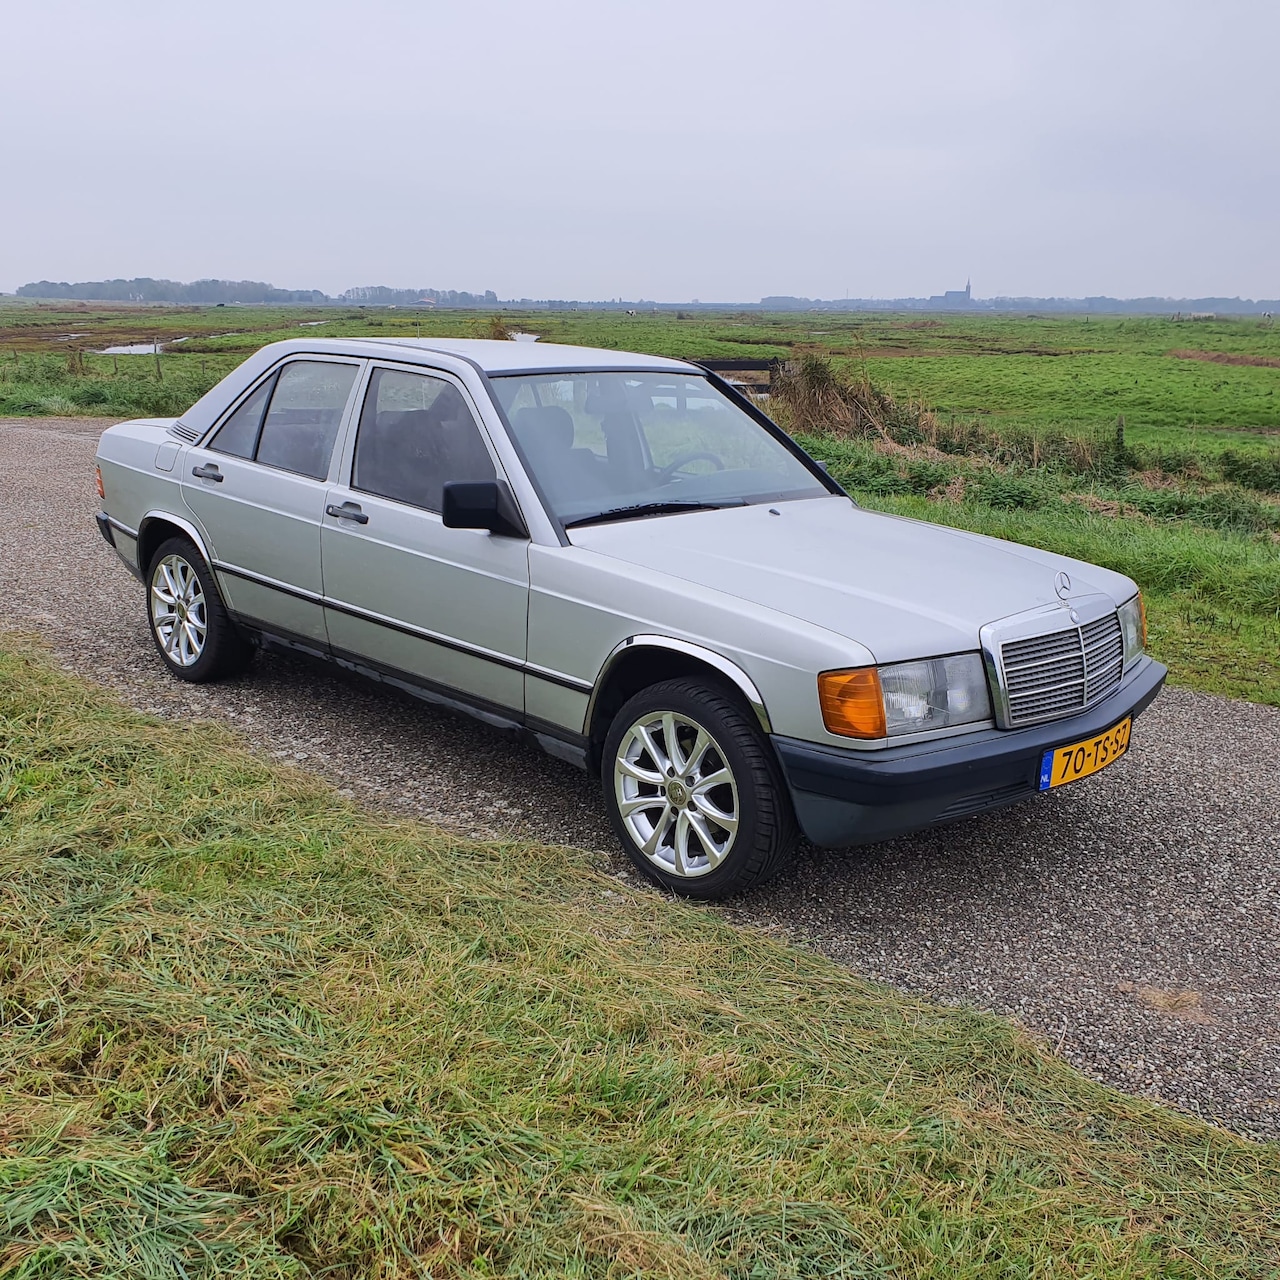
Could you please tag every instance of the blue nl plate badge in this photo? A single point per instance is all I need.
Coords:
(1046, 771)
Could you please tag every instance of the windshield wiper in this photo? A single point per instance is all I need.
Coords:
(650, 509)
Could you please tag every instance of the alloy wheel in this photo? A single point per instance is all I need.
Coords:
(178, 610)
(676, 794)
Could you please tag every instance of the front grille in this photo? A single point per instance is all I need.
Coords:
(1057, 674)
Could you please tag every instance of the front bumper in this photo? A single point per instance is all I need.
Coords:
(846, 797)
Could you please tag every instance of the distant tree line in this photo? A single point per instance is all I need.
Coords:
(380, 295)
(211, 292)
(144, 289)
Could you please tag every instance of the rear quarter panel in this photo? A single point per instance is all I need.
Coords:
(141, 471)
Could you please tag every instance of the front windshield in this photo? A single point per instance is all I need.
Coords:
(611, 445)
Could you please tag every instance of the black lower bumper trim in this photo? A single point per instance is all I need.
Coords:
(844, 797)
(104, 527)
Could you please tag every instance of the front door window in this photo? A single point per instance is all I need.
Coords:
(448, 608)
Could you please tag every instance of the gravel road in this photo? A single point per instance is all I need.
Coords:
(1130, 920)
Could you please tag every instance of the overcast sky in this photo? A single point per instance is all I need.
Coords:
(670, 149)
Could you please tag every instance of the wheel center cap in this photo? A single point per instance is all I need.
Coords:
(678, 794)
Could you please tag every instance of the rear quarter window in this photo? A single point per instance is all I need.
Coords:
(238, 436)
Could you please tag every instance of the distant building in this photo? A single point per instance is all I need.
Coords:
(954, 297)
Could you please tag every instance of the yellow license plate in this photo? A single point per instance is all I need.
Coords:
(1080, 759)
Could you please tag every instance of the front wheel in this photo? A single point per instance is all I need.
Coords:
(694, 792)
(196, 639)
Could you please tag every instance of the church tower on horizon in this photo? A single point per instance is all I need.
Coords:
(955, 297)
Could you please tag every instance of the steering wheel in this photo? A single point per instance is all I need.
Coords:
(683, 461)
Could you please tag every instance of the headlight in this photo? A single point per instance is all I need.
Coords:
(1133, 624)
(908, 697)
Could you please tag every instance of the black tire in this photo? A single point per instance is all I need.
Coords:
(224, 651)
(765, 824)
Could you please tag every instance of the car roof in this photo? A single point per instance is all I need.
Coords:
(489, 355)
(493, 356)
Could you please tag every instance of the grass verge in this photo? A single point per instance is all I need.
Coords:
(250, 1030)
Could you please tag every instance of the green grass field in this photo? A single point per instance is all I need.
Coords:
(1188, 503)
(248, 1030)
(1062, 371)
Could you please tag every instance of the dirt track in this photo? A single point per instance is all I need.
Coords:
(1225, 357)
(1129, 920)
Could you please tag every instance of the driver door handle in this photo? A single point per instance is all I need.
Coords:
(348, 511)
(208, 472)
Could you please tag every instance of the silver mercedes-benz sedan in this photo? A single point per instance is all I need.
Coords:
(625, 559)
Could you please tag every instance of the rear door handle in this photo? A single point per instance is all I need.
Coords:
(208, 472)
(348, 511)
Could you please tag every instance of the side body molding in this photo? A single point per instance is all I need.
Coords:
(729, 670)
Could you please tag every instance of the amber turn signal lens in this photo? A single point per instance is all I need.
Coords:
(852, 703)
(97, 475)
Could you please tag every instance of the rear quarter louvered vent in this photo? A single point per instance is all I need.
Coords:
(184, 432)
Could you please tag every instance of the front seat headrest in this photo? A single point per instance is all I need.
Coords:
(547, 429)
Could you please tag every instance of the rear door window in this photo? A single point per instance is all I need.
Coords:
(303, 417)
(416, 434)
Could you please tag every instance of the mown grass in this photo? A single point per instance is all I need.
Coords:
(249, 1030)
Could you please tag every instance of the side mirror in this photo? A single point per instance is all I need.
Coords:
(822, 466)
(483, 504)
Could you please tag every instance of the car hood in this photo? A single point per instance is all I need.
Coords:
(901, 588)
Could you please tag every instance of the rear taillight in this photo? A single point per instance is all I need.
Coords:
(97, 475)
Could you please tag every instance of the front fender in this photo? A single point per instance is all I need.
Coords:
(729, 669)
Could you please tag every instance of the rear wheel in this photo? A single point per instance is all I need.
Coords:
(196, 639)
(694, 792)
